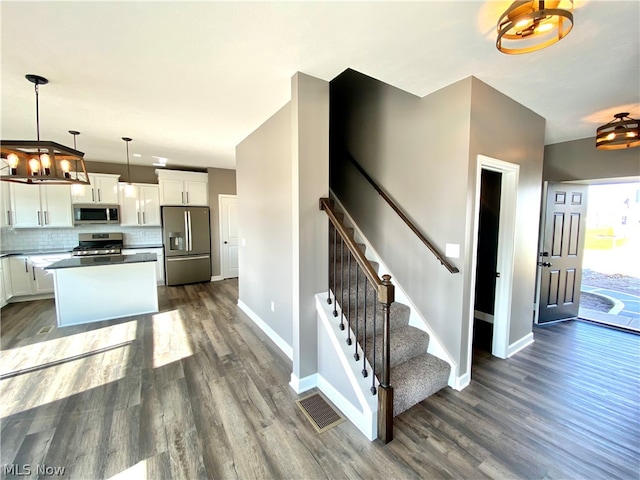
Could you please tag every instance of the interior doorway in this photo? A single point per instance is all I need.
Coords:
(500, 261)
(487, 259)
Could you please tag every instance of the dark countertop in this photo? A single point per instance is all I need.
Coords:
(34, 251)
(102, 260)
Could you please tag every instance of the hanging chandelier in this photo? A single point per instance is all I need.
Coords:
(623, 132)
(41, 161)
(528, 26)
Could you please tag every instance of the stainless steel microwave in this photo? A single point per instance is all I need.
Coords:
(83, 214)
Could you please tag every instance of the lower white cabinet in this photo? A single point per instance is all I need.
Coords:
(29, 276)
(6, 290)
(159, 264)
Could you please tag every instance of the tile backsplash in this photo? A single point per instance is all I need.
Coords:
(67, 238)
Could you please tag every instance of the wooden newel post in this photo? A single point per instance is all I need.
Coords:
(385, 391)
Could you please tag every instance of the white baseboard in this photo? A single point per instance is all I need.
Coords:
(520, 344)
(301, 385)
(216, 278)
(270, 332)
(367, 423)
(486, 317)
(462, 382)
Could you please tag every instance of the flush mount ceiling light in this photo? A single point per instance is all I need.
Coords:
(623, 132)
(527, 26)
(34, 162)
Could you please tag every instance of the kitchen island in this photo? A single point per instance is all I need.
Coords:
(95, 288)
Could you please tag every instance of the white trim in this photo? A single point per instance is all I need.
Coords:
(220, 226)
(366, 422)
(270, 332)
(217, 278)
(301, 385)
(506, 250)
(520, 344)
(416, 319)
(462, 381)
(487, 317)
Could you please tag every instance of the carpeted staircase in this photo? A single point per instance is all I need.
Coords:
(415, 374)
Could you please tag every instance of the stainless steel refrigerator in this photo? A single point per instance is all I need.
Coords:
(187, 246)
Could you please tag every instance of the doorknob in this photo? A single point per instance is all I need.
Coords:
(225, 242)
(544, 254)
(544, 264)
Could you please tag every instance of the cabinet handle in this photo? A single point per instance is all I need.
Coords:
(93, 195)
(33, 269)
(46, 218)
(99, 196)
(138, 218)
(182, 193)
(143, 219)
(26, 267)
(39, 222)
(187, 197)
(8, 217)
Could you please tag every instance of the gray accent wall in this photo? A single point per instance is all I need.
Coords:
(220, 181)
(265, 229)
(581, 160)
(423, 152)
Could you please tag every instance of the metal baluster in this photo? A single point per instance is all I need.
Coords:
(335, 279)
(329, 272)
(341, 283)
(355, 355)
(373, 365)
(349, 300)
(364, 334)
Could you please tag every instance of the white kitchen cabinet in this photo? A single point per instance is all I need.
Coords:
(103, 190)
(5, 205)
(5, 281)
(140, 206)
(183, 188)
(159, 263)
(20, 278)
(29, 276)
(32, 206)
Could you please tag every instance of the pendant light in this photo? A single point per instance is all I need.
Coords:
(528, 26)
(39, 161)
(623, 132)
(129, 189)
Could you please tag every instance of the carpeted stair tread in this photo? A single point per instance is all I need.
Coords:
(407, 342)
(417, 379)
(398, 318)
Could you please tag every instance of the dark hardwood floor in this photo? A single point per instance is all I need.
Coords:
(197, 391)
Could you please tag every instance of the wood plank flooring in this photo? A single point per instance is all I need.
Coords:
(197, 391)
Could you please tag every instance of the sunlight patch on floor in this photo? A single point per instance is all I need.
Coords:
(170, 339)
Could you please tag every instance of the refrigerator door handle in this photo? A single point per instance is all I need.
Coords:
(190, 237)
(187, 231)
(187, 259)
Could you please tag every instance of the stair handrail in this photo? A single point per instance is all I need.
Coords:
(439, 255)
(386, 296)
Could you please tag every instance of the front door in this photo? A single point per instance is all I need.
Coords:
(560, 260)
(229, 235)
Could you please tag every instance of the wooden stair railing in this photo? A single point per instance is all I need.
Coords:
(383, 291)
(439, 255)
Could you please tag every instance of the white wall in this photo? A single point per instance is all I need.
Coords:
(264, 186)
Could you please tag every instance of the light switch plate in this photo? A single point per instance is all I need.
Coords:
(452, 250)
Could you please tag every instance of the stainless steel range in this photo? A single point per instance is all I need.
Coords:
(99, 244)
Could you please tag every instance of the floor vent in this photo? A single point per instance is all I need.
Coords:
(318, 411)
(44, 330)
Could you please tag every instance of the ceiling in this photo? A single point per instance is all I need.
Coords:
(189, 80)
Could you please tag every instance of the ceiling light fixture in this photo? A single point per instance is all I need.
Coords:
(128, 190)
(34, 162)
(623, 132)
(528, 26)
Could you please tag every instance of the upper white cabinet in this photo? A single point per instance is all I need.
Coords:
(140, 205)
(32, 206)
(183, 188)
(103, 190)
(5, 205)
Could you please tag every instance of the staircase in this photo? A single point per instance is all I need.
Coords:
(414, 373)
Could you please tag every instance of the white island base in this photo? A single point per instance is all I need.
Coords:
(94, 293)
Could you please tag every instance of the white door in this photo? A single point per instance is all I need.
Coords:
(228, 235)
